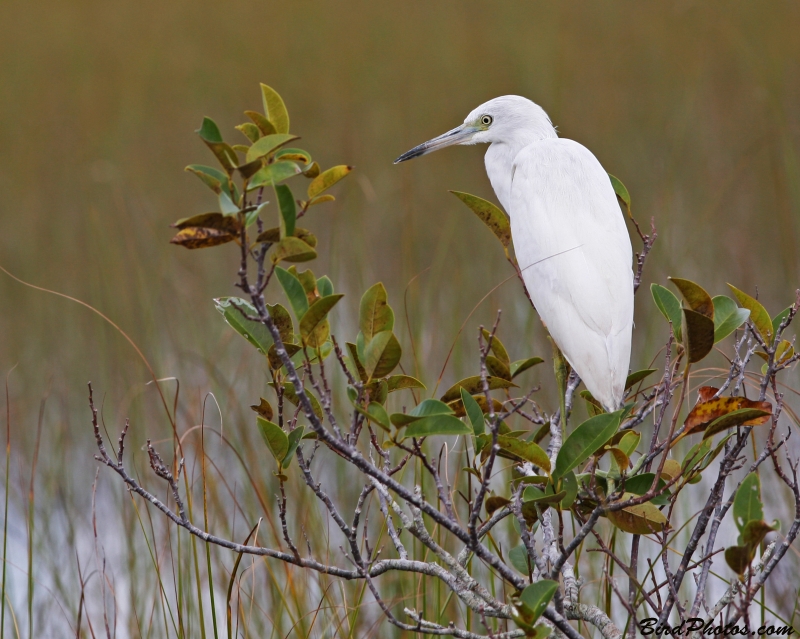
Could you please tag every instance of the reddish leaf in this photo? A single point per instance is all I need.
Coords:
(708, 410)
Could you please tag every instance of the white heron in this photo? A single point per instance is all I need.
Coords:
(568, 231)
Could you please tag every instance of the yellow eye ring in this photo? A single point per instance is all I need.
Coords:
(486, 120)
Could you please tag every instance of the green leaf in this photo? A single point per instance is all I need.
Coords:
(569, 484)
(758, 314)
(254, 332)
(698, 333)
(474, 413)
(537, 596)
(252, 216)
(534, 494)
(638, 376)
(490, 215)
(375, 315)
(325, 286)
(431, 407)
(521, 365)
(226, 204)
(629, 442)
(288, 209)
(382, 355)
(400, 382)
(727, 317)
(292, 249)
(267, 145)
(317, 313)
(585, 441)
(275, 109)
(622, 192)
(640, 484)
(327, 179)
(747, 502)
(473, 385)
(293, 438)
(527, 451)
(778, 319)
(733, 419)
(294, 291)
(273, 174)
(696, 296)
(378, 414)
(213, 178)
(642, 519)
(437, 425)
(696, 454)
(275, 438)
(209, 133)
(669, 305)
(518, 557)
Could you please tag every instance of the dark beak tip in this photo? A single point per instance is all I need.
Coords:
(410, 155)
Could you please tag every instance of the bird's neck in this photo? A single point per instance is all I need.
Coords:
(499, 160)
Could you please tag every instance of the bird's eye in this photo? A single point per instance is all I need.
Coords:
(486, 120)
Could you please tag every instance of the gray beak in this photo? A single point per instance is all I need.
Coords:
(459, 135)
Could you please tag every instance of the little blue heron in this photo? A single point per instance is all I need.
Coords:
(568, 231)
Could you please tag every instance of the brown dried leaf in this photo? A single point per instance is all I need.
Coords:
(264, 409)
(196, 238)
(496, 503)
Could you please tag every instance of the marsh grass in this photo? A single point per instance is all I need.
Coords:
(693, 104)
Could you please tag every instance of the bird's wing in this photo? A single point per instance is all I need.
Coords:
(575, 254)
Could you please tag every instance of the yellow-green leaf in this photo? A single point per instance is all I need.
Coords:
(521, 365)
(317, 313)
(275, 109)
(490, 215)
(642, 519)
(268, 144)
(264, 126)
(327, 179)
(526, 451)
(293, 249)
(375, 315)
(382, 355)
(758, 314)
(399, 382)
(696, 296)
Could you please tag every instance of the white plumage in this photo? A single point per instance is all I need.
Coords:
(568, 232)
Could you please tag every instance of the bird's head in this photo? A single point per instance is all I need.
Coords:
(509, 119)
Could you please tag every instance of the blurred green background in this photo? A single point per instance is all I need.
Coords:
(694, 105)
